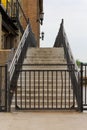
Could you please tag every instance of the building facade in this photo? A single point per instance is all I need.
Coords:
(10, 33)
(33, 10)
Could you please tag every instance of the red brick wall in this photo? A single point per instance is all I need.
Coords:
(31, 10)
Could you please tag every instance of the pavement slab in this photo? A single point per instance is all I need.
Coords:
(43, 121)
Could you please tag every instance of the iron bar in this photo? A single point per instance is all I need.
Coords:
(38, 89)
(47, 89)
(25, 89)
(69, 90)
(52, 89)
(6, 87)
(65, 88)
(56, 88)
(43, 89)
(21, 88)
(61, 89)
(29, 89)
(34, 89)
(85, 84)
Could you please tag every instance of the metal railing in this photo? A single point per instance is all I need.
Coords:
(62, 41)
(18, 52)
(83, 80)
(10, 57)
(27, 40)
(3, 88)
(47, 89)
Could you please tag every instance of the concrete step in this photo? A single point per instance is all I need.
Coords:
(44, 51)
(45, 56)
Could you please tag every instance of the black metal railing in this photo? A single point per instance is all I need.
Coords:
(83, 80)
(62, 41)
(47, 89)
(27, 40)
(10, 57)
(3, 88)
(18, 52)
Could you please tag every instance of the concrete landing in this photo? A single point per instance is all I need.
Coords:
(43, 121)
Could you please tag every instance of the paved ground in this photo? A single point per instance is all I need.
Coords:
(43, 121)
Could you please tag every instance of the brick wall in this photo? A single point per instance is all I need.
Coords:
(31, 10)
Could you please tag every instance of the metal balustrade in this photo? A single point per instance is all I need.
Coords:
(83, 80)
(18, 52)
(62, 41)
(44, 89)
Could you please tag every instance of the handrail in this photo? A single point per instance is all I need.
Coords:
(27, 38)
(11, 69)
(10, 57)
(62, 41)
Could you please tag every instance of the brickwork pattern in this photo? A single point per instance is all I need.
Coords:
(31, 10)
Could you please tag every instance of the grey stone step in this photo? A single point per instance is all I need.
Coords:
(34, 51)
(44, 56)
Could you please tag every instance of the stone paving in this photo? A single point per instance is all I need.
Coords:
(43, 121)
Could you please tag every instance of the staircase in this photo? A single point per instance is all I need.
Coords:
(44, 81)
(45, 56)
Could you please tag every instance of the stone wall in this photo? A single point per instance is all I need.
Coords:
(4, 56)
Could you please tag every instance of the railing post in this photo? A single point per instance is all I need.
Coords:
(17, 10)
(6, 87)
(8, 90)
(0, 30)
(81, 84)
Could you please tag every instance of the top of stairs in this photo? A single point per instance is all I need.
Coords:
(45, 59)
(45, 56)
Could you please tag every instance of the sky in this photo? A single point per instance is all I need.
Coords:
(74, 13)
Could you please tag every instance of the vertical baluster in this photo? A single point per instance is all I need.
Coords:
(21, 87)
(29, 89)
(34, 89)
(52, 89)
(85, 84)
(61, 89)
(43, 89)
(56, 88)
(82, 104)
(72, 73)
(65, 87)
(38, 89)
(69, 87)
(47, 89)
(25, 89)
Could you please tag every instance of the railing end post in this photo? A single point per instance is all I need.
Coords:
(8, 90)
